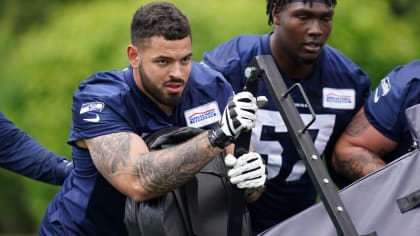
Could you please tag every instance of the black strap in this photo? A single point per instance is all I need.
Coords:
(183, 208)
(409, 202)
(237, 202)
(190, 197)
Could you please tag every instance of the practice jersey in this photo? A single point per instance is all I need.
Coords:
(336, 90)
(110, 102)
(22, 154)
(386, 106)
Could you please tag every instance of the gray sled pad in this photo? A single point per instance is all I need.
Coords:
(384, 203)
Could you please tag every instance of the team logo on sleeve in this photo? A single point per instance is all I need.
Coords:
(203, 115)
(382, 90)
(92, 106)
(344, 99)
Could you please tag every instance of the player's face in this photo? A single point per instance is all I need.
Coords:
(164, 70)
(302, 29)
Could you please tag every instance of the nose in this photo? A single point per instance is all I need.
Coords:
(315, 28)
(178, 70)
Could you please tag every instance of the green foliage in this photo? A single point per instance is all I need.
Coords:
(375, 38)
(47, 49)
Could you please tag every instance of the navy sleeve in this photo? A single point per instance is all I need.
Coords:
(399, 90)
(22, 154)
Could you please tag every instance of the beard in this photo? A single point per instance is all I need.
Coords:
(167, 99)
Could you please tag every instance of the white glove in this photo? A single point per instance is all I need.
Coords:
(239, 114)
(248, 171)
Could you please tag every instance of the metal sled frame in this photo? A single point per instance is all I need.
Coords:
(263, 67)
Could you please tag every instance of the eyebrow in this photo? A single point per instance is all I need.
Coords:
(330, 12)
(160, 57)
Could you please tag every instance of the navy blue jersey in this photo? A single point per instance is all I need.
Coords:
(110, 102)
(336, 90)
(385, 108)
(22, 154)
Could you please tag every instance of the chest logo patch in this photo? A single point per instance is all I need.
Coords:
(344, 99)
(203, 115)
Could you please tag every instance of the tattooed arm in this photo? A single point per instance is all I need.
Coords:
(125, 162)
(359, 150)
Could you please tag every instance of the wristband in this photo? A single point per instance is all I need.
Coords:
(219, 139)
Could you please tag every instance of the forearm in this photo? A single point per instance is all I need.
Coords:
(357, 162)
(125, 161)
(164, 170)
(22, 154)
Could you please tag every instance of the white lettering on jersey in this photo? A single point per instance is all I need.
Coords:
(344, 99)
(203, 115)
(271, 146)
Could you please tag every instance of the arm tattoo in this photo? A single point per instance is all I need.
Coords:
(360, 164)
(164, 170)
(357, 125)
(158, 171)
(111, 152)
(361, 161)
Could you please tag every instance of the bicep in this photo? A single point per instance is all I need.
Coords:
(360, 133)
(116, 157)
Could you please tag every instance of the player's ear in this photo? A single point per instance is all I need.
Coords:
(133, 56)
(276, 13)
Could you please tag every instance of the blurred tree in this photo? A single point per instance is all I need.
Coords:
(24, 14)
(18, 217)
(375, 39)
(402, 7)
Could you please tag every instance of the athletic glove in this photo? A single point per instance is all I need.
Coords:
(239, 114)
(248, 171)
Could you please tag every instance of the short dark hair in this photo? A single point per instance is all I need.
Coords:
(279, 4)
(159, 19)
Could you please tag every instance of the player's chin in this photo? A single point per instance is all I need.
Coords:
(172, 99)
(310, 54)
(309, 58)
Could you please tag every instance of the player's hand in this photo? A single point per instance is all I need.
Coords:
(248, 171)
(239, 114)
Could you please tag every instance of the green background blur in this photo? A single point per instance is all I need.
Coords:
(48, 47)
